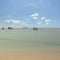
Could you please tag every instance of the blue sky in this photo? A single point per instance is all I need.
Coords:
(38, 13)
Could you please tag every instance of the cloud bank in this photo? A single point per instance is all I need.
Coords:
(45, 21)
(16, 23)
(37, 21)
(13, 21)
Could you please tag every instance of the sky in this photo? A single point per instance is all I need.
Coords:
(30, 13)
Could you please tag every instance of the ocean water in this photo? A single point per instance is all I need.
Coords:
(29, 38)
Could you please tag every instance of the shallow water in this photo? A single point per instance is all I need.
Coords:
(28, 38)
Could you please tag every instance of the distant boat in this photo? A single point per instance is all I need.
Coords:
(35, 28)
(10, 28)
(3, 28)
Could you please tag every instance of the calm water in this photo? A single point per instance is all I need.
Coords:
(28, 38)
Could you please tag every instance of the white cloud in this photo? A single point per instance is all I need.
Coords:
(13, 21)
(35, 15)
(42, 18)
(16, 23)
(46, 21)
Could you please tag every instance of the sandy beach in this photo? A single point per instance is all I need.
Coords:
(47, 54)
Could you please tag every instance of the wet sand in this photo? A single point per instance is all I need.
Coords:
(47, 54)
